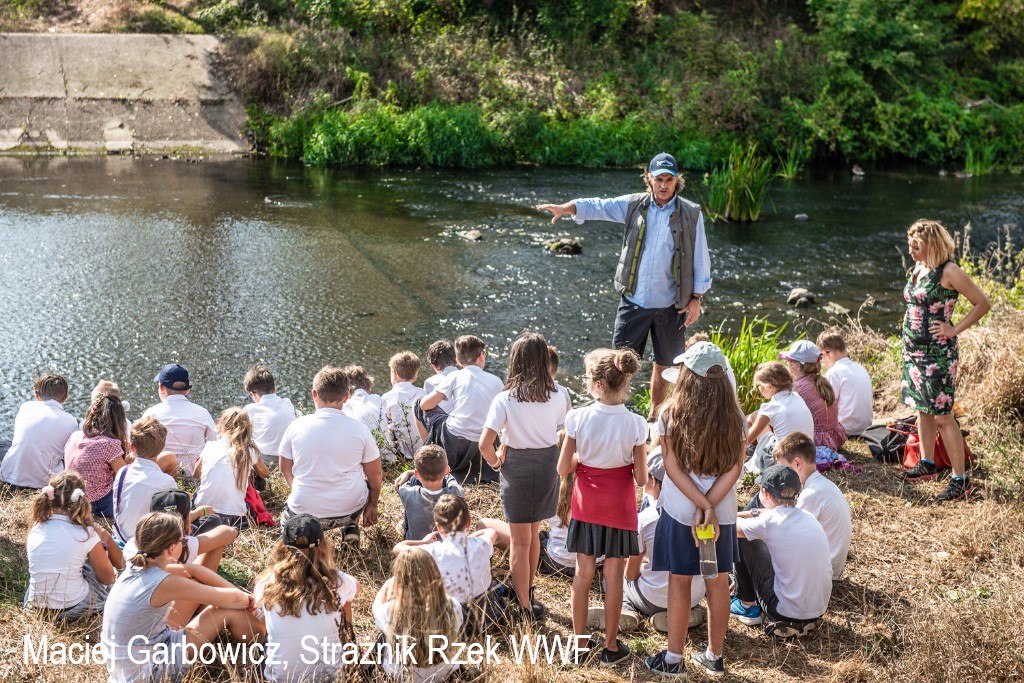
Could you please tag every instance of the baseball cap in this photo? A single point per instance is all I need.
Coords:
(303, 531)
(173, 374)
(778, 478)
(802, 351)
(656, 464)
(172, 501)
(700, 358)
(663, 163)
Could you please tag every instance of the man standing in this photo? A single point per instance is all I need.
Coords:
(664, 268)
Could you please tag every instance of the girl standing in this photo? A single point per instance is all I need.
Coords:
(139, 643)
(702, 447)
(605, 445)
(930, 353)
(410, 609)
(98, 451)
(225, 466)
(302, 594)
(70, 561)
(529, 411)
(804, 361)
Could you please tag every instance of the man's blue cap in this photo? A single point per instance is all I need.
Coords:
(663, 163)
(173, 376)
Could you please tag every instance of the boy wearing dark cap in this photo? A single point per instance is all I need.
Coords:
(189, 426)
(784, 572)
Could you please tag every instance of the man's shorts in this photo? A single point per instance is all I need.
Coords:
(666, 326)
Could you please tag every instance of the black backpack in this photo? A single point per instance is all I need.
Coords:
(887, 442)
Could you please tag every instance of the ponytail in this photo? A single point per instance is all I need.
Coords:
(155, 533)
(65, 492)
(821, 384)
(564, 508)
(235, 426)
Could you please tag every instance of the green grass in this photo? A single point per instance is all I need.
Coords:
(757, 341)
(737, 190)
(791, 162)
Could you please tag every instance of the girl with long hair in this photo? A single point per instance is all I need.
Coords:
(139, 642)
(701, 428)
(783, 412)
(98, 451)
(804, 361)
(410, 609)
(225, 467)
(303, 594)
(605, 446)
(527, 413)
(71, 561)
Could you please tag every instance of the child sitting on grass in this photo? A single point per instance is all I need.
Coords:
(225, 468)
(554, 558)
(71, 561)
(98, 451)
(303, 595)
(270, 414)
(135, 485)
(421, 487)
(361, 404)
(784, 413)
(401, 437)
(41, 429)
(441, 357)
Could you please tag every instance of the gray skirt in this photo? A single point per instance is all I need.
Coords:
(529, 484)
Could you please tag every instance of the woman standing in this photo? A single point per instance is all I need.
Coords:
(930, 354)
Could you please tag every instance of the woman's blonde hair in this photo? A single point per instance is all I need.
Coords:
(301, 577)
(937, 242)
(235, 426)
(68, 491)
(704, 423)
(614, 368)
(421, 607)
(774, 373)
(564, 509)
(155, 533)
(821, 385)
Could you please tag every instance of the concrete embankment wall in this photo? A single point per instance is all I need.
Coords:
(102, 94)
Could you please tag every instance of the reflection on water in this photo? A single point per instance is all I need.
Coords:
(112, 267)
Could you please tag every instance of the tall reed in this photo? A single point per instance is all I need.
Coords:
(737, 190)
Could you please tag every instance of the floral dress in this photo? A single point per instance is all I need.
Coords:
(929, 363)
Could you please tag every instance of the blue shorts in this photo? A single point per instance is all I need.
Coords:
(676, 552)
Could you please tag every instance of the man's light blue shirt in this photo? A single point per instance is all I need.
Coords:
(656, 283)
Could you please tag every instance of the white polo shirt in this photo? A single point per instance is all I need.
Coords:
(852, 385)
(800, 558)
(605, 434)
(826, 502)
(397, 406)
(328, 450)
(556, 542)
(431, 383)
(217, 487)
(270, 416)
(189, 427)
(57, 551)
(472, 390)
(41, 429)
(787, 413)
(366, 408)
(678, 506)
(526, 424)
(133, 498)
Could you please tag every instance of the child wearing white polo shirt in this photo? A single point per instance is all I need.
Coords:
(471, 390)
(41, 429)
(331, 461)
(270, 414)
(226, 466)
(135, 484)
(361, 404)
(850, 380)
(441, 356)
(401, 437)
(785, 412)
(189, 426)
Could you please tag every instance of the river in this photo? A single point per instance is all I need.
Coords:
(112, 267)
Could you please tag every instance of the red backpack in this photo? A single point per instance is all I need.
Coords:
(912, 450)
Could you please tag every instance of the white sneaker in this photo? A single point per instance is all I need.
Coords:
(660, 620)
(628, 619)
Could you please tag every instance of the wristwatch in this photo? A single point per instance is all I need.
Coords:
(698, 297)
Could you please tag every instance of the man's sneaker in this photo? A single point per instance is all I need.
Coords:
(659, 620)
(350, 534)
(584, 652)
(789, 629)
(712, 666)
(956, 489)
(658, 665)
(613, 657)
(628, 619)
(922, 471)
(751, 616)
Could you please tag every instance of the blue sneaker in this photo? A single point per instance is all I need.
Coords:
(751, 616)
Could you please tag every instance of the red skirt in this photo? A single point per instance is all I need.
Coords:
(605, 496)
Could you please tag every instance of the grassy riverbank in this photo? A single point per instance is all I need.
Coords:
(472, 83)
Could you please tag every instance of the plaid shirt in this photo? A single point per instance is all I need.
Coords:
(91, 456)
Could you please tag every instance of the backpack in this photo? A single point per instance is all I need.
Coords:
(887, 442)
(912, 451)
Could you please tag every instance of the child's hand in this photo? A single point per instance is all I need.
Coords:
(502, 454)
(402, 478)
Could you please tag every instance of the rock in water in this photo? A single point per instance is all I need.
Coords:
(800, 298)
(801, 217)
(565, 245)
(471, 235)
(857, 170)
(835, 309)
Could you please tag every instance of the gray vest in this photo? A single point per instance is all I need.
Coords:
(682, 222)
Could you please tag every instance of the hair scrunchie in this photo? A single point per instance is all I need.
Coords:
(47, 491)
(615, 362)
(77, 495)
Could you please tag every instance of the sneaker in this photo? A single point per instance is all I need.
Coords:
(789, 629)
(697, 616)
(613, 657)
(658, 665)
(659, 620)
(751, 616)
(714, 667)
(537, 608)
(956, 489)
(350, 534)
(583, 654)
(628, 619)
(922, 471)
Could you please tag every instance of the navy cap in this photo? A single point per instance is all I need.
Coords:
(173, 376)
(663, 163)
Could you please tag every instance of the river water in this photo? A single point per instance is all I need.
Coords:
(112, 267)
